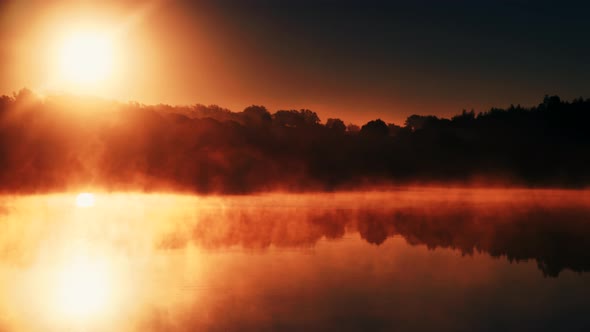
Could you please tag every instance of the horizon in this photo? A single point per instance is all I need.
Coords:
(359, 62)
(294, 165)
(323, 119)
(74, 142)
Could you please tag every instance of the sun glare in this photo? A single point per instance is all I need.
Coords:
(85, 57)
(85, 200)
(83, 289)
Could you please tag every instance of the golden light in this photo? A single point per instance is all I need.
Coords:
(85, 200)
(85, 57)
(83, 290)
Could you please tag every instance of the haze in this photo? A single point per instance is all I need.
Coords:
(354, 60)
(309, 165)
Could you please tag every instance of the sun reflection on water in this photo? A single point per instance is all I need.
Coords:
(83, 288)
(85, 200)
(137, 262)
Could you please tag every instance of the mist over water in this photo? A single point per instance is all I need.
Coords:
(407, 258)
(294, 166)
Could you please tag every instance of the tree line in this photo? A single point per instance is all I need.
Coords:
(58, 143)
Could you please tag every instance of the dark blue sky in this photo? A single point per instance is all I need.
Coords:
(411, 56)
(357, 60)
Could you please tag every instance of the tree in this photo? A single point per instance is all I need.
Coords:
(376, 128)
(336, 125)
(256, 116)
(394, 129)
(296, 119)
(309, 117)
(415, 122)
(352, 128)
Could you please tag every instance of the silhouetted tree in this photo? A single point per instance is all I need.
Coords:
(23, 94)
(465, 118)
(551, 102)
(296, 119)
(416, 122)
(375, 128)
(52, 143)
(309, 117)
(336, 125)
(352, 128)
(394, 130)
(256, 116)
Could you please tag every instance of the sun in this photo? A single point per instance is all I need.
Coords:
(85, 58)
(85, 200)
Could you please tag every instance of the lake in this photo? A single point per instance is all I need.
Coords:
(403, 259)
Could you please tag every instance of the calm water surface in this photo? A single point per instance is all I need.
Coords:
(412, 259)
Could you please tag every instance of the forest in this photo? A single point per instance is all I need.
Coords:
(58, 143)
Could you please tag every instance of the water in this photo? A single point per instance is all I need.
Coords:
(413, 259)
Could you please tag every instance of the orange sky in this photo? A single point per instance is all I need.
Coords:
(186, 53)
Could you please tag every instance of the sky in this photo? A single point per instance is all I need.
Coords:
(356, 60)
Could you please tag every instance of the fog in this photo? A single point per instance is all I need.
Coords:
(68, 143)
(289, 261)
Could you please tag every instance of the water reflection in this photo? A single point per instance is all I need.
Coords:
(552, 228)
(412, 259)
